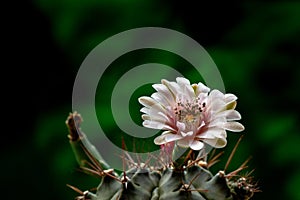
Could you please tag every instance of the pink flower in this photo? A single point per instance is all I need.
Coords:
(190, 114)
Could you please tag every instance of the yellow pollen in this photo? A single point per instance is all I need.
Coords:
(189, 118)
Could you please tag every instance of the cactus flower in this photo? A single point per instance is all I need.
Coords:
(190, 115)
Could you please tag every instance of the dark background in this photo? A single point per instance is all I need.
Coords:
(254, 44)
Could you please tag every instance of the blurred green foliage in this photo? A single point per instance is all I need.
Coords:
(257, 55)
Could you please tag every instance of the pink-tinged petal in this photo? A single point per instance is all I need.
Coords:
(157, 118)
(186, 87)
(230, 98)
(165, 92)
(172, 86)
(216, 105)
(233, 115)
(229, 115)
(157, 125)
(196, 145)
(234, 126)
(216, 122)
(160, 140)
(183, 81)
(202, 97)
(211, 133)
(180, 126)
(154, 110)
(145, 110)
(217, 142)
(216, 94)
(203, 88)
(190, 133)
(184, 143)
(160, 98)
(172, 137)
(200, 126)
(147, 101)
(166, 137)
(153, 124)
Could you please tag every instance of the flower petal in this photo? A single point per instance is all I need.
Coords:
(165, 92)
(229, 115)
(211, 133)
(190, 133)
(160, 98)
(157, 118)
(160, 140)
(147, 101)
(166, 137)
(196, 145)
(184, 143)
(172, 86)
(230, 98)
(172, 137)
(157, 125)
(186, 87)
(217, 142)
(180, 125)
(202, 88)
(183, 81)
(234, 126)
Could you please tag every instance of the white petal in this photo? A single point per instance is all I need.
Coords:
(234, 126)
(217, 142)
(217, 122)
(216, 104)
(201, 88)
(201, 125)
(180, 126)
(186, 87)
(157, 118)
(172, 137)
(160, 140)
(196, 145)
(160, 98)
(214, 94)
(184, 143)
(230, 98)
(212, 133)
(190, 133)
(166, 137)
(172, 86)
(233, 115)
(157, 125)
(229, 115)
(145, 110)
(182, 80)
(165, 92)
(154, 110)
(147, 101)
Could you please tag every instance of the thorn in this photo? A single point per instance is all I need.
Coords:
(214, 159)
(243, 166)
(91, 157)
(124, 179)
(75, 189)
(232, 153)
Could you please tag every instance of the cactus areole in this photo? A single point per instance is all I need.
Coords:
(191, 117)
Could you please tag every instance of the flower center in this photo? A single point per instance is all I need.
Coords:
(189, 112)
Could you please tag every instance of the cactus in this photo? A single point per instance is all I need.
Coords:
(192, 117)
(187, 177)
